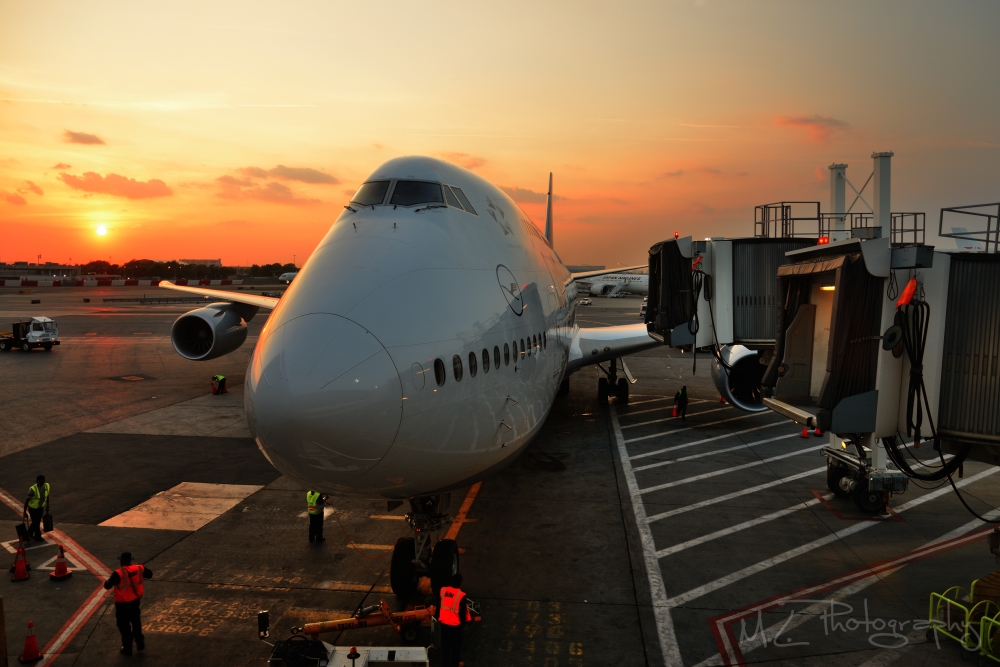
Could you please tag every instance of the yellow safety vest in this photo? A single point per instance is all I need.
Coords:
(312, 500)
(36, 499)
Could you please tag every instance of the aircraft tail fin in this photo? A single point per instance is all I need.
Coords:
(548, 214)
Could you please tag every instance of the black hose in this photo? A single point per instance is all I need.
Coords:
(697, 282)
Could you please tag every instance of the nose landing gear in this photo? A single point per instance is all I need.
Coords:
(420, 555)
(612, 385)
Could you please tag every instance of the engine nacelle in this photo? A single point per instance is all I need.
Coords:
(600, 289)
(212, 331)
(740, 383)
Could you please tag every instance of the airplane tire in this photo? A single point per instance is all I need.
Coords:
(622, 390)
(602, 390)
(872, 502)
(402, 573)
(833, 476)
(444, 564)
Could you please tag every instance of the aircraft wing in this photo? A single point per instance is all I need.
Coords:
(603, 272)
(224, 295)
(593, 345)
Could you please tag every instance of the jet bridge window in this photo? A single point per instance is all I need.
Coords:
(452, 199)
(411, 193)
(371, 193)
(506, 354)
(486, 360)
(472, 364)
(439, 372)
(496, 356)
(466, 204)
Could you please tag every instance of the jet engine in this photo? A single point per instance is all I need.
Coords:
(212, 331)
(738, 377)
(600, 289)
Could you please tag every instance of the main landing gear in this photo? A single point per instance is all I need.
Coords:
(611, 384)
(420, 555)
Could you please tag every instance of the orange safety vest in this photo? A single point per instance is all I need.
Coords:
(451, 600)
(129, 586)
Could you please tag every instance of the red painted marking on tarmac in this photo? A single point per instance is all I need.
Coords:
(895, 517)
(71, 627)
(725, 637)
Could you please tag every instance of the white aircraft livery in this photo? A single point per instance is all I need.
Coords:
(288, 277)
(613, 283)
(418, 350)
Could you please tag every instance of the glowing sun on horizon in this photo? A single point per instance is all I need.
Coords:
(102, 230)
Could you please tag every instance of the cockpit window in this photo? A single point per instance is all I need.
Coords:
(411, 193)
(466, 204)
(450, 196)
(371, 193)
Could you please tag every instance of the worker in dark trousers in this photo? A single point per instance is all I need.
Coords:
(453, 614)
(315, 502)
(127, 582)
(36, 506)
(681, 401)
(219, 384)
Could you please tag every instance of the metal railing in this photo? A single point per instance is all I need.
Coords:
(906, 228)
(779, 219)
(978, 225)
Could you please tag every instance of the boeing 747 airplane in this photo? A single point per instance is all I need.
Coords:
(418, 350)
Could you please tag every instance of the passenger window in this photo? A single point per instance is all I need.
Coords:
(522, 348)
(486, 360)
(545, 340)
(456, 367)
(411, 193)
(450, 196)
(496, 356)
(439, 373)
(466, 204)
(472, 364)
(506, 354)
(534, 343)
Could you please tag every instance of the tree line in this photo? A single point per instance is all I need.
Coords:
(148, 268)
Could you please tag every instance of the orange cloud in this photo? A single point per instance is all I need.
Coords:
(63, 165)
(464, 160)
(526, 196)
(276, 193)
(16, 200)
(817, 128)
(303, 174)
(72, 137)
(118, 186)
(30, 187)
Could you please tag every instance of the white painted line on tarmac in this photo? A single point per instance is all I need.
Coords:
(666, 419)
(698, 442)
(735, 494)
(768, 563)
(658, 593)
(724, 471)
(662, 407)
(677, 548)
(691, 428)
(713, 452)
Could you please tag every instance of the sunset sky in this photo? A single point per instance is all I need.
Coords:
(239, 129)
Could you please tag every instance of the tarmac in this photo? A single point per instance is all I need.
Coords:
(621, 536)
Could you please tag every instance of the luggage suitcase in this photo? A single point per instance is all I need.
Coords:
(46, 522)
(22, 532)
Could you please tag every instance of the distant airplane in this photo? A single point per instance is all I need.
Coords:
(412, 357)
(288, 277)
(965, 243)
(613, 283)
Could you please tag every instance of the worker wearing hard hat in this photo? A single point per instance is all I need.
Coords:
(127, 582)
(315, 502)
(452, 615)
(36, 505)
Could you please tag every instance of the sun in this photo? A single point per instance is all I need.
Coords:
(102, 230)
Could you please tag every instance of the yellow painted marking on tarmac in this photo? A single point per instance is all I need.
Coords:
(351, 587)
(463, 512)
(376, 547)
(314, 615)
(389, 517)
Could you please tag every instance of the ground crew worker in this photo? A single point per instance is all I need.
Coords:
(453, 615)
(219, 384)
(36, 505)
(127, 582)
(315, 502)
(681, 401)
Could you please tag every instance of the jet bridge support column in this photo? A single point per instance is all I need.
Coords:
(838, 180)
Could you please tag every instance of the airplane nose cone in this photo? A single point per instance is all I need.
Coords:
(323, 399)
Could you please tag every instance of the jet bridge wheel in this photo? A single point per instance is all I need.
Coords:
(444, 564)
(402, 572)
(834, 474)
(621, 391)
(869, 501)
(603, 390)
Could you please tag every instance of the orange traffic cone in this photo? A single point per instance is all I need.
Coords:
(31, 652)
(61, 572)
(805, 431)
(722, 399)
(818, 433)
(674, 413)
(20, 567)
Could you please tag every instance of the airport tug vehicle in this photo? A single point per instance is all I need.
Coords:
(826, 318)
(37, 332)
